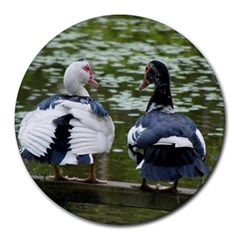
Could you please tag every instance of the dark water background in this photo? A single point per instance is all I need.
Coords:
(118, 48)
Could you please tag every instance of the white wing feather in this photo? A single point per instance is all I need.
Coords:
(133, 132)
(90, 133)
(200, 136)
(37, 130)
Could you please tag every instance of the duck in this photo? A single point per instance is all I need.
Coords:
(69, 128)
(165, 144)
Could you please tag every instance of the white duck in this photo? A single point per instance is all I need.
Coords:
(68, 129)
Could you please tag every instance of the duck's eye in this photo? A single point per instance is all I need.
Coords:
(147, 68)
(86, 68)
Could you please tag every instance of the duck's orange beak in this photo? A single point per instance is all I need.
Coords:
(92, 81)
(144, 84)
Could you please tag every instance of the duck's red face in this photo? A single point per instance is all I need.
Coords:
(91, 80)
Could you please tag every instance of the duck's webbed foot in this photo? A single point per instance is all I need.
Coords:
(144, 186)
(172, 188)
(91, 179)
(58, 176)
(62, 178)
(92, 176)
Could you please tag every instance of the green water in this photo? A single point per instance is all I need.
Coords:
(118, 48)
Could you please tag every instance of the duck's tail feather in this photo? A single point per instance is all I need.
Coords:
(167, 163)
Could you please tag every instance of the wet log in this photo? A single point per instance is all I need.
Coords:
(112, 193)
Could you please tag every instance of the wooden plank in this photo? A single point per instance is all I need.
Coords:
(112, 193)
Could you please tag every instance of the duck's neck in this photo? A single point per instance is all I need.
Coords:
(79, 91)
(82, 91)
(161, 99)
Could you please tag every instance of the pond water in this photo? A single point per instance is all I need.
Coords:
(118, 49)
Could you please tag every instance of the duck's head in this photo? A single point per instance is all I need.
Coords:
(156, 72)
(78, 74)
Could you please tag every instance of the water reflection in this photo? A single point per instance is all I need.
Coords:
(118, 48)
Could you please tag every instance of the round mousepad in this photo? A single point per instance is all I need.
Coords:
(120, 120)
